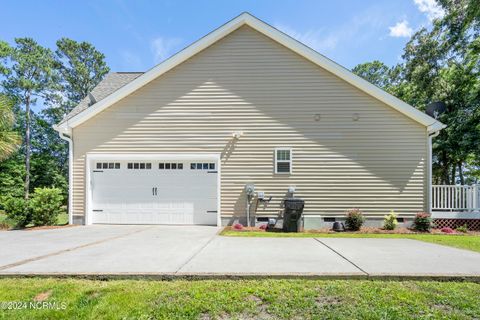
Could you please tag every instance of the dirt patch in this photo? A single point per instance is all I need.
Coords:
(442, 308)
(327, 301)
(43, 296)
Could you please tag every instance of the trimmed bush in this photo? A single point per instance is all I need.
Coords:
(462, 229)
(46, 205)
(390, 221)
(354, 220)
(447, 230)
(422, 222)
(17, 211)
(238, 226)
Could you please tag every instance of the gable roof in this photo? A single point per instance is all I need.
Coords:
(111, 83)
(86, 112)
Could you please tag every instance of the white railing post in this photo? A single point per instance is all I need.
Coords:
(475, 196)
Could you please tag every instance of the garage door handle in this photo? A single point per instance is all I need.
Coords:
(154, 191)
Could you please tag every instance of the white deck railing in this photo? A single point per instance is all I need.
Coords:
(455, 198)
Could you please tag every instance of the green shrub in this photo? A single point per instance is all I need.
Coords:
(354, 220)
(46, 205)
(462, 229)
(390, 221)
(422, 222)
(18, 211)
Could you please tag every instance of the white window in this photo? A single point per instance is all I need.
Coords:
(283, 160)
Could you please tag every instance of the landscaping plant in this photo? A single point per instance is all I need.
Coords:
(447, 230)
(422, 222)
(462, 229)
(390, 221)
(354, 220)
(18, 211)
(46, 205)
(238, 226)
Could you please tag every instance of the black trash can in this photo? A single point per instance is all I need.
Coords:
(292, 214)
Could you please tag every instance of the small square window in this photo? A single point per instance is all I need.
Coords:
(167, 165)
(142, 165)
(130, 165)
(111, 165)
(136, 166)
(180, 166)
(148, 165)
(117, 165)
(99, 165)
(199, 166)
(105, 165)
(174, 166)
(193, 166)
(205, 166)
(161, 166)
(211, 166)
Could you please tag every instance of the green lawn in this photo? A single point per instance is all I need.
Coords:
(242, 299)
(470, 242)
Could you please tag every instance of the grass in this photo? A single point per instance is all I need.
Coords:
(241, 299)
(469, 242)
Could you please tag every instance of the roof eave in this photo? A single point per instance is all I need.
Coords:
(276, 35)
(435, 127)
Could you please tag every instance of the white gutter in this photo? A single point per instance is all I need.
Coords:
(70, 175)
(430, 176)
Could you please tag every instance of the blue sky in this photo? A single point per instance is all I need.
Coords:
(135, 35)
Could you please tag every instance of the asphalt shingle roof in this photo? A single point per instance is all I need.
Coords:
(111, 83)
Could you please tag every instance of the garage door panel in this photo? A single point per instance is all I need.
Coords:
(154, 196)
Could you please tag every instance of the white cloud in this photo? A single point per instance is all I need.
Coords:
(315, 39)
(430, 8)
(162, 47)
(401, 29)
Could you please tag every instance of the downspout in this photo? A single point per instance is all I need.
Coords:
(70, 175)
(430, 175)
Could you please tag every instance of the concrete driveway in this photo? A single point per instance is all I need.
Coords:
(198, 250)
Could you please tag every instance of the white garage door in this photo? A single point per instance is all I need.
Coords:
(154, 192)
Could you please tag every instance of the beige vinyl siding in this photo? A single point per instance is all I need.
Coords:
(247, 82)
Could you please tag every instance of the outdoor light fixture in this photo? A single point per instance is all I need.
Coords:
(317, 117)
(237, 134)
(355, 117)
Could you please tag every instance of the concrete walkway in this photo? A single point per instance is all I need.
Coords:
(199, 251)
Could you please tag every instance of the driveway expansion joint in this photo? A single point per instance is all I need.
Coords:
(341, 255)
(195, 254)
(56, 253)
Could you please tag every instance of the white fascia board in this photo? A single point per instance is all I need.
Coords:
(435, 127)
(276, 35)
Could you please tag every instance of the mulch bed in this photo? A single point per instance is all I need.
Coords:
(363, 230)
(49, 227)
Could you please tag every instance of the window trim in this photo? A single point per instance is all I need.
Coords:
(290, 162)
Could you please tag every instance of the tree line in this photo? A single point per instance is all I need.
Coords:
(32, 155)
(440, 63)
